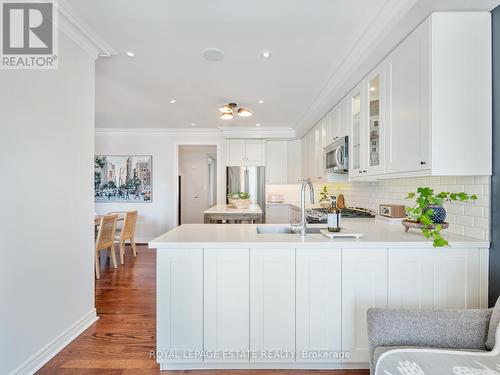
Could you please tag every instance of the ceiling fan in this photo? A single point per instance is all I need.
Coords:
(230, 109)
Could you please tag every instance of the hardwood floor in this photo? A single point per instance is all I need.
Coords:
(119, 343)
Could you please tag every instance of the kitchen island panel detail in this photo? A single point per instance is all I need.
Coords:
(179, 287)
(319, 313)
(226, 304)
(272, 304)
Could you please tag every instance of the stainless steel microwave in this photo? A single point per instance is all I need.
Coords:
(337, 156)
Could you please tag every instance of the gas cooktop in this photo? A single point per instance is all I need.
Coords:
(319, 215)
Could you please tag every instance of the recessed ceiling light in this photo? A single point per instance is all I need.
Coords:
(212, 54)
(265, 54)
(257, 125)
(172, 101)
(130, 54)
(261, 101)
(193, 124)
(373, 88)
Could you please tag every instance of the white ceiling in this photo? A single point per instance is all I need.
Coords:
(313, 45)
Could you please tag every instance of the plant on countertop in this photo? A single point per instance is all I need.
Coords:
(238, 195)
(428, 211)
(324, 195)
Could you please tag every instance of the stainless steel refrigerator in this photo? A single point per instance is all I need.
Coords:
(251, 180)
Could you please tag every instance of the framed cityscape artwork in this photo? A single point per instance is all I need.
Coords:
(122, 178)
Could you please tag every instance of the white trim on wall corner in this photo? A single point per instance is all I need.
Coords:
(71, 24)
(36, 361)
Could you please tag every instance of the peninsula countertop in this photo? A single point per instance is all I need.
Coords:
(228, 209)
(375, 235)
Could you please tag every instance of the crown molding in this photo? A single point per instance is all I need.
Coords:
(157, 131)
(71, 24)
(226, 132)
(258, 133)
(365, 42)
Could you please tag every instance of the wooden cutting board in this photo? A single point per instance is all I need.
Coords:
(340, 201)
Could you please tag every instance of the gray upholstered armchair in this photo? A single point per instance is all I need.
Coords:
(460, 330)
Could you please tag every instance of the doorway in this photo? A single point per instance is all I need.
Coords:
(197, 182)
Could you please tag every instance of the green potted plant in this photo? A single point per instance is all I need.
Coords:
(325, 200)
(239, 199)
(428, 213)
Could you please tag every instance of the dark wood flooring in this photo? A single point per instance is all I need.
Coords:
(119, 343)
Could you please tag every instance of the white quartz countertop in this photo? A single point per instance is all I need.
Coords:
(375, 235)
(228, 209)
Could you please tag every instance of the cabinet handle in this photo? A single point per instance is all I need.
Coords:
(364, 171)
(360, 171)
(423, 163)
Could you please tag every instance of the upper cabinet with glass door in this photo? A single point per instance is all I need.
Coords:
(367, 140)
(374, 85)
(355, 141)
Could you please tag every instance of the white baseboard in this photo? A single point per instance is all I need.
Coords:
(36, 361)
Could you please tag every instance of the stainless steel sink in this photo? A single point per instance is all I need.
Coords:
(284, 230)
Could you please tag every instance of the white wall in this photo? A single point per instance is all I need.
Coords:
(46, 188)
(159, 216)
(193, 167)
(469, 219)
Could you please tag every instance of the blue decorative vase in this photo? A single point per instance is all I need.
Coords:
(439, 213)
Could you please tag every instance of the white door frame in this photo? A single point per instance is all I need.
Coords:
(220, 173)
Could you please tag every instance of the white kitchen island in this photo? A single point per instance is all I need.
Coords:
(228, 297)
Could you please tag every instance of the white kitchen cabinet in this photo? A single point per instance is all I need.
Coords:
(436, 278)
(319, 312)
(408, 76)
(440, 109)
(457, 275)
(364, 285)
(276, 162)
(250, 152)
(272, 303)
(277, 214)
(294, 161)
(226, 302)
(355, 143)
(305, 156)
(411, 278)
(431, 95)
(179, 323)
(333, 125)
(255, 152)
(317, 151)
(367, 126)
(344, 116)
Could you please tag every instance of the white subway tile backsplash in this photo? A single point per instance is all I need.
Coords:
(470, 219)
(482, 222)
(474, 232)
(474, 211)
(465, 220)
(465, 180)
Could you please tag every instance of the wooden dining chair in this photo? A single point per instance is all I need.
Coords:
(105, 241)
(127, 233)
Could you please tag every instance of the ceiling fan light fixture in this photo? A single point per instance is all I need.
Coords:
(226, 116)
(228, 108)
(244, 112)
